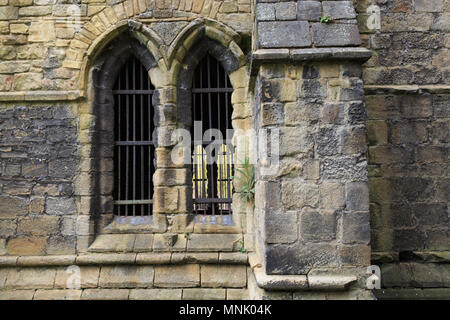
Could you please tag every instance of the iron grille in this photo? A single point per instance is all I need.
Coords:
(211, 99)
(133, 147)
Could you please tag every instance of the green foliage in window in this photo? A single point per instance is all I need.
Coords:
(247, 179)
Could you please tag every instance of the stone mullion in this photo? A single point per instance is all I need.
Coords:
(171, 183)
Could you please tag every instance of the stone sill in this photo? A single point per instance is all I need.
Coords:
(165, 242)
(42, 95)
(151, 227)
(308, 282)
(125, 259)
(312, 54)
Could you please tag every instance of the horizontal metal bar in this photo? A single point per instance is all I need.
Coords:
(211, 90)
(133, 91)
(213, 200)
(122, 202)
(208, 142)
(133, 143)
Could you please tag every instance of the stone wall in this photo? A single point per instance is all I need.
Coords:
(350, 134)
(315, 205)
(38, 165)
(407, 98)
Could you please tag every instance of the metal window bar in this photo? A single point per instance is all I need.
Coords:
(211, 98)
(133, 145)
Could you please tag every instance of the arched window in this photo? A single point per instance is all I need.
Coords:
(133, 145)
(211, 109)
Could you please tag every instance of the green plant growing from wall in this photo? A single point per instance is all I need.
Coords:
(324, 19)
(247, 179)
(241, 246)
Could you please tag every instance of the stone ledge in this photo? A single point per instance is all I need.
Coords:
(405, 89)
(42, 95)
(330, 282)
(137, 243)
(153, 258)
(274, 282)
(315, 54)
(36, 261)
(315, 280)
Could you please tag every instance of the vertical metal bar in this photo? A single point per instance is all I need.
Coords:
(213, 191)
(227, 105)
(142, 138)
(150, 189)
(119, 163)
(127, 138)
(203, 189)
(134, 135)
(194, 154)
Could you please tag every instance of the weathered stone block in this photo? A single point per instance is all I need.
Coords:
(9, 13)
(169, 242)
(356, 227)
(286, 10)
(300, 111)
(60, 206)
(237, 294)
(267, 195)
(67, 277)
(358, 255)
(177, 276)
(143, 243)
(155, 294)
(332, 195)
(27, 246)
(212, 242)
(339, 9)
(353, 140)
(113, 243)
(7, 227)
(428, 5)
(340, 35)
(299, 259)
(295, 195)
(126, 277)
(309, 10)
(281, 227)
(57, 295)
(318, 225)
(13, 206)
(233, 276)
(284, 34)
(17, 294)
(327, 141)
(311, 170)
(204, 294)
(38, 226)
(105, 294)
(294, 140)
(30, 278)
(41, 31)
(357, 196)
(265, 12)
(61, 245)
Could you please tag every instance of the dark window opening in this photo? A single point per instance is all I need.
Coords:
(133, 145)
(211, 101)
